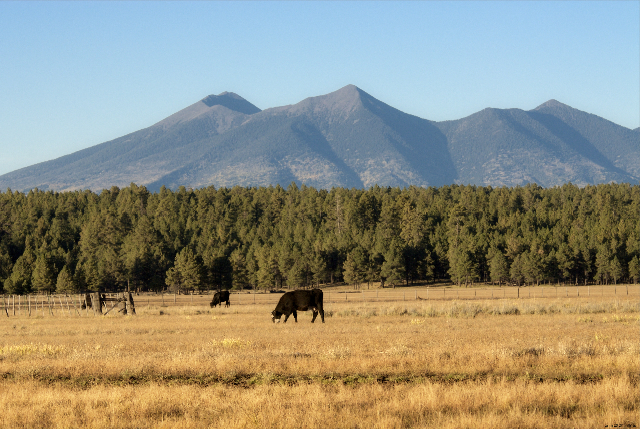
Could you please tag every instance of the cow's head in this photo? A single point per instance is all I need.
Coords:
(275, 315)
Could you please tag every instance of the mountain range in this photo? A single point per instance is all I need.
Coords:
(349, 139)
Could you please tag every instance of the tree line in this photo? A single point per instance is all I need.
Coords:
(272, 237)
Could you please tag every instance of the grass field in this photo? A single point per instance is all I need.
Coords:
(383, 359)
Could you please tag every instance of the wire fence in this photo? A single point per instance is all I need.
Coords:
(71, 305)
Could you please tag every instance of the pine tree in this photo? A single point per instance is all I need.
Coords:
(65, 283)
(499, 269)
(615, 269)
(319, 269)
(20, 280)
(268, 269)
(634, 269)
(174, 280)
(392, 271)
(190, 270)
(5, 264)
(239, 266)
(516, 271)
(295, 275)
(143, 257)
(603, 265)
(44, 276)
(350, 271)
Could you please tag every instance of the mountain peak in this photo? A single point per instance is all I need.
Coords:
(551, 104)
(346, 94)
(228, 100)
(349, 90)
(231, 101)
(342, 101)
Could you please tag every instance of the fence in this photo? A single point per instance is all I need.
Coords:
(71, 305)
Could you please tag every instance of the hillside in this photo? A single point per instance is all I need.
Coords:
(347, 138)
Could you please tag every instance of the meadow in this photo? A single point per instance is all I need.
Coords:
(383, 359)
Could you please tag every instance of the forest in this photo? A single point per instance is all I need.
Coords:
(271, 237)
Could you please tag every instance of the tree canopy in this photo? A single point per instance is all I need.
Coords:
(301, 236)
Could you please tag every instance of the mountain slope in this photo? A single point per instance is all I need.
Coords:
(617, 144)
(347, 138)
(140, 157)
(512, 146)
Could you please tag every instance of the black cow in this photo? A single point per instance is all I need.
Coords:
(219, 298)
(299, 300)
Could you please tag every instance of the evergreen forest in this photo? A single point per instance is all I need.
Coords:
(271, 238)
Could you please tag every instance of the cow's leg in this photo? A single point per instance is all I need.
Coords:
(295, 316)
(228, 303)
(286, 316)
(315, 314)
(322, 315)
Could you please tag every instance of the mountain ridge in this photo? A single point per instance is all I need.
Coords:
(347, 138)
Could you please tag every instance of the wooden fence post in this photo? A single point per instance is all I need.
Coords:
(61, 305)
(129, 305)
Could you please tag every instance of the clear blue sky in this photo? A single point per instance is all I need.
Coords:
(75, 74)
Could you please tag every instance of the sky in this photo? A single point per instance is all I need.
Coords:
(76, 74)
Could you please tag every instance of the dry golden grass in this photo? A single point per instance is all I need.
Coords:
(541, 363)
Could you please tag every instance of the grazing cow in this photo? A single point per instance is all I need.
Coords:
(219, 298)
(299, 300)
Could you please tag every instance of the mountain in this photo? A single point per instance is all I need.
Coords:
(140, 157)
(549, 145)
(347, 138)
